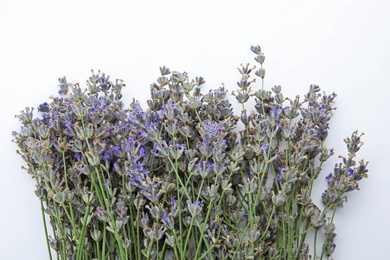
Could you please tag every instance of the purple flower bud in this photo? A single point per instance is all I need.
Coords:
(44, 107)
(123, 125)
(68, 124)
(116, 167)
(142, 152)
(256, 49)
(116, 149)
(106, 156)
(78, 156)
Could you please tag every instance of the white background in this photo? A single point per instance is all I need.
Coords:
(341, 45)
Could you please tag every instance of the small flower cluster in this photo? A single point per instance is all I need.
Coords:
(178, 179)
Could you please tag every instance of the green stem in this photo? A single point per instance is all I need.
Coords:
(197, 114)
(81, 239)
(206, 219)
(192, 220)
(45, 227)
(148, 255)
(268, 224)
(59, 224)
(131, 233)
(331, 220)
(162, 255)
(180, 219)
(303, 235)
(283, 244)
(178, 178)
(315, 244)
(98, 249)
(206, 253)
(103, 200)
(138, 237)
(104, 241)
(307, 229)
(202, 232)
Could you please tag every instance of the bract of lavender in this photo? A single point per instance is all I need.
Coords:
(179, 179)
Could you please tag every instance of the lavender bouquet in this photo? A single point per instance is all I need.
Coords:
(186, 178)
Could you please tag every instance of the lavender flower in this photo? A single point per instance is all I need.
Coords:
(195, 208)
(116, 182)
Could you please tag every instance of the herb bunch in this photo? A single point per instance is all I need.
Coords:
(186, 177)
